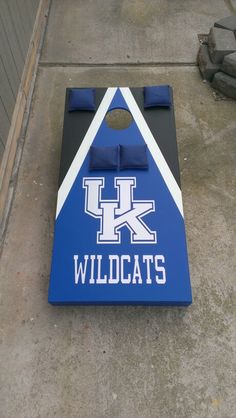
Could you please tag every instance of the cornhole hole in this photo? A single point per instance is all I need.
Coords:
(119, 229)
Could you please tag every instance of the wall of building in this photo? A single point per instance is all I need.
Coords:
(17, 19)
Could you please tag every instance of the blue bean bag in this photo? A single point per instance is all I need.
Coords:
(81, 99)
(133, 156)
(157, 96)
(103, 158)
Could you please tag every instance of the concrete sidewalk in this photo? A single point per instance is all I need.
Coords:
(124, 362)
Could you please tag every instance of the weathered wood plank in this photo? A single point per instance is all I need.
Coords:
(6, 92)
(22, 97)
(19, 26)
(12, 38)
(5, 122)
(2, 148)
(8, 61)
(25, 18)
(16, 25)
(29, 11)
(36, 6)
(24, 27)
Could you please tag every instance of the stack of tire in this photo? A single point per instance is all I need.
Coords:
(217, 57)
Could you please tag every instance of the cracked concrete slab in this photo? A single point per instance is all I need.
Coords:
(123, 361)
(128, 31)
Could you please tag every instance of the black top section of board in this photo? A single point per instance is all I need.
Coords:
(75, 128)
(161, 122)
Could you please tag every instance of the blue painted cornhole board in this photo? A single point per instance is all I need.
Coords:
(119, 234)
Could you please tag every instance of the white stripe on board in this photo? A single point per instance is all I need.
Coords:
(153, 148)
(78, 160)
(147, 136)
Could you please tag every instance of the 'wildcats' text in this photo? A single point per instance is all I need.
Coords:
(119, 269)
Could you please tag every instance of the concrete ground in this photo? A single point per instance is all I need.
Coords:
(124, 362)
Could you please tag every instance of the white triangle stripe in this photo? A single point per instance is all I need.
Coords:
(78, 160)
(153, 148)
(147, 136)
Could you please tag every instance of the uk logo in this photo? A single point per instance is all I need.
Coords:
(123, 212)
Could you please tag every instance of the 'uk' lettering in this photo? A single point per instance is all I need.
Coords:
(122, 212)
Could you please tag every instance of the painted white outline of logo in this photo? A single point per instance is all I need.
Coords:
(123, 211)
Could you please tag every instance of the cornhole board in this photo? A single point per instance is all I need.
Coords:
(119, 234)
